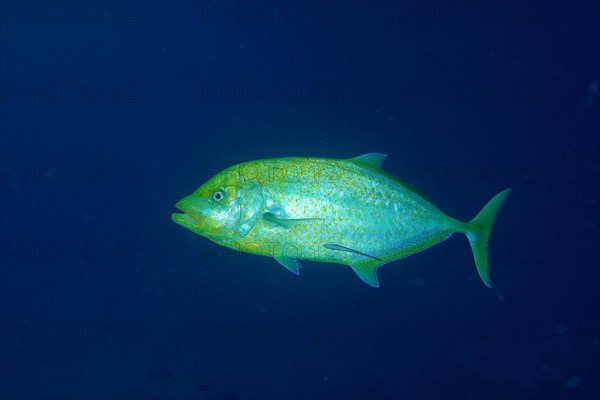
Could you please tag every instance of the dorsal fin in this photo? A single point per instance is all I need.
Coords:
(369, 160)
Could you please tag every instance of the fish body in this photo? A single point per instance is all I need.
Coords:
(345, 211)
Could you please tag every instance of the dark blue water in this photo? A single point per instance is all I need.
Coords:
(113, 111)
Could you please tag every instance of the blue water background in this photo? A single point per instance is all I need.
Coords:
(113, 111)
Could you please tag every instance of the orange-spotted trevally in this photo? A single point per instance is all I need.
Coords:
(338, 211)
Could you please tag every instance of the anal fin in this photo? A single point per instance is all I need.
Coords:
(366, 269)
(367, 272)
(290, 263)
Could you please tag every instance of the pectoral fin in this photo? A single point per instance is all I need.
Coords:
(285, 222)
(290, 263)
(333, 246)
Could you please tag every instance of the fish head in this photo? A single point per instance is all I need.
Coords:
(224, 209)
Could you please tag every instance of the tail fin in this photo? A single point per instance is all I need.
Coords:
(478, 232)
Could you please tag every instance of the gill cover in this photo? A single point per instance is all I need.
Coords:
(223, 218)
(232, 217)
(250, 202)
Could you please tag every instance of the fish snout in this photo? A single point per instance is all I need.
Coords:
(191, 217)
(187, 204)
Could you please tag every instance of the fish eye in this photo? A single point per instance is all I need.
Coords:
(218, 195)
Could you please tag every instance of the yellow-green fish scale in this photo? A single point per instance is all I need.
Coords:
(338, 202)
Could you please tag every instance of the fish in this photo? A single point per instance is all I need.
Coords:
(344, 211)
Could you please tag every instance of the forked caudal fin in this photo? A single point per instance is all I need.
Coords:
(478, 232)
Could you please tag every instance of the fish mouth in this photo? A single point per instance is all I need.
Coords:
(184, 219)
